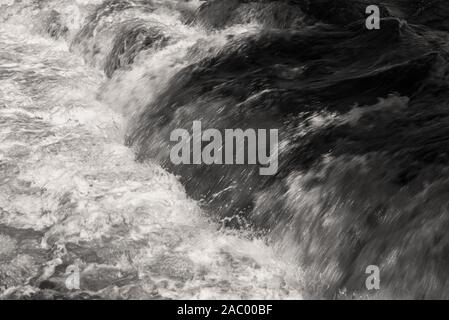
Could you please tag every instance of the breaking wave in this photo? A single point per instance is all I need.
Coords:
(88, 86)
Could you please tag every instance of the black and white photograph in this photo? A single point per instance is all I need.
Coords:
(224, 150)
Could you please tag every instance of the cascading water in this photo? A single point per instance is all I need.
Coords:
(90, 91)
(72, 193)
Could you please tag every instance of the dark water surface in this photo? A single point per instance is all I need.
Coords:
(91, 90)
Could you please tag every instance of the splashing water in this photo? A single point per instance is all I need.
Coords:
(72, 194)
(91, 89)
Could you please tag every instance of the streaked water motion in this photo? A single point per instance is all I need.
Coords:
(90, 91)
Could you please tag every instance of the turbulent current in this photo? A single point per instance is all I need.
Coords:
(90, 91)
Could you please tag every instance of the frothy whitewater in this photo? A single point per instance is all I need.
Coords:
(73, 195)
(90, 91)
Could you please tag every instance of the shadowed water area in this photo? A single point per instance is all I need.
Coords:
(91, 90)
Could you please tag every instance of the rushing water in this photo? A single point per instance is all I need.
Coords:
(90, 91)
(72, 193)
